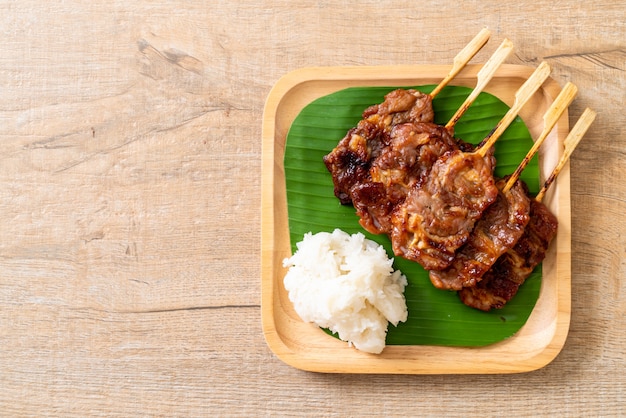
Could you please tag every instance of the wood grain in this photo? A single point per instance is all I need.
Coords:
(130, 178)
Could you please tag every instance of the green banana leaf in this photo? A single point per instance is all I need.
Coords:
(436, 317)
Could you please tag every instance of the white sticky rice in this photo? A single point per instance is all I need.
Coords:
(346, 283)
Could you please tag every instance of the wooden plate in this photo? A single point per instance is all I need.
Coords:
(306, 346)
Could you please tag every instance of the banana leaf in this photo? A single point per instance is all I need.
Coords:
(435, 317)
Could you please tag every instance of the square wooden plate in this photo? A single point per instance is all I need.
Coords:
(306, 346)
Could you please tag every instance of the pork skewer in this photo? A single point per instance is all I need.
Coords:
(501, 283)
(436, 219)
(350, 160)
(408, 157)
(377, 161)
(503, 223)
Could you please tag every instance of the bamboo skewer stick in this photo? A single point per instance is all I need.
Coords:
(483, 77)
(522, 95)
(570, 143)
(463, 57)
(550, 118)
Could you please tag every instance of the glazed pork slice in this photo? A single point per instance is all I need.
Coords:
(402, 165)
(501, 283)
(498, 230)
(349, 162)
(437, 218)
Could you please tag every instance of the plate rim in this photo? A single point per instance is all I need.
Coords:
(322, 353)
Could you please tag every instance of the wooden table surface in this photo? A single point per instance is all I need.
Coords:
(130, 204)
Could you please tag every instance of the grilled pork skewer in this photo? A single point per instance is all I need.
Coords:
(409, 155)
(436, 219)
(501, 283)
(503, 223)
(394, 138)
(351, 159)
